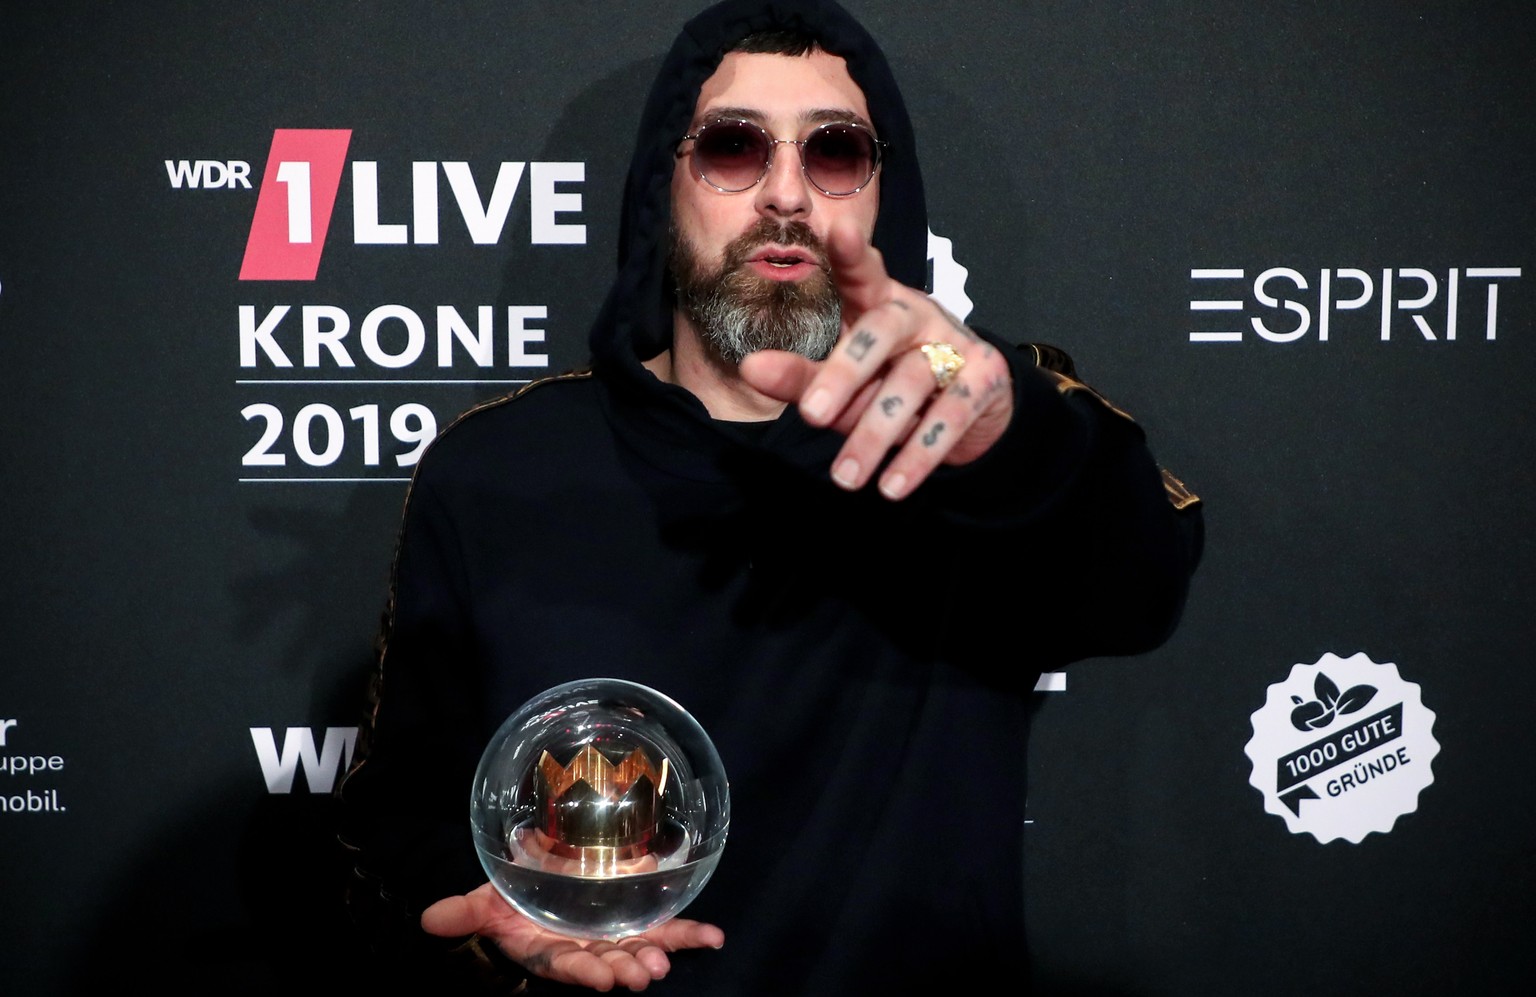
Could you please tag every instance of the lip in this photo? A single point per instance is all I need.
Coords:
(783, 262)
(768, 253)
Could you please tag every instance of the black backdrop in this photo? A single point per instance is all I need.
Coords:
(172, 608)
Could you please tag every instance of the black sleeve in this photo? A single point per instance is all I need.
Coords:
(1092, 543)
(415, 761)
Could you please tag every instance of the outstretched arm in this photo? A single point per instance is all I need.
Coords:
(1035, 466)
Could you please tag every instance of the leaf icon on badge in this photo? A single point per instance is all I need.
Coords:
(1315, 714)
(1354, 699)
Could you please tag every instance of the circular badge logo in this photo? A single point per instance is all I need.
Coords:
(1342, 748)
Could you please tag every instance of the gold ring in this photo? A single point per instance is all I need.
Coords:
(945, 362)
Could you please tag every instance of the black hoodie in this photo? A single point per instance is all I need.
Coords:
(864, 667)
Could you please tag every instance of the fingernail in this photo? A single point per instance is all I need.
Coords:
(815, 407)
(846, 473)
(893, 486)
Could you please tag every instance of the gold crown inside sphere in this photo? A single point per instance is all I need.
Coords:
(592, 803)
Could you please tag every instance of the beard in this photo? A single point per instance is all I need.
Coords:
(737, 312)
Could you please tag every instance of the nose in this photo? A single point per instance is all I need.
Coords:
(784, 192)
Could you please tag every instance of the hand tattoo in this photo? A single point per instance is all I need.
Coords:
(966, 333)
(859, 346)
(994, 386)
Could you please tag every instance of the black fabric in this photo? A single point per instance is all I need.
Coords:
(864, 667)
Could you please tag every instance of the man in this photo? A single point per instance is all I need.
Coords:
(777, 497)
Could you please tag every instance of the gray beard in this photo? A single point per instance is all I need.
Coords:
(737, 312)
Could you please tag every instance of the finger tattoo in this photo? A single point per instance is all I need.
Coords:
(860, 345)
(994, 386)
(889, 404)
(960, 326)
(965, 331)
(932, 436)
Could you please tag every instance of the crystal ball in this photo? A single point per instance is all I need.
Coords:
(600, 808)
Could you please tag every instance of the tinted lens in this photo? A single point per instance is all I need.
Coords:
(840, 158)
(732, 155)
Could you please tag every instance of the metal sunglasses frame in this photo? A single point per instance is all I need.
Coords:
(773, 144)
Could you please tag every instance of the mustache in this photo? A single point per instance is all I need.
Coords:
(766, 232)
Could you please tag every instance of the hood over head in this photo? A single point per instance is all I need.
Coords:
(635, 322)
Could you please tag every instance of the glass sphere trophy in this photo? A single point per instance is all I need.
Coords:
(600, 809)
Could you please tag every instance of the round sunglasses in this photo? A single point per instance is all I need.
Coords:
(731, 155)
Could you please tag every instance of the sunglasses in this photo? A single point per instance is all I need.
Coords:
(732, 155)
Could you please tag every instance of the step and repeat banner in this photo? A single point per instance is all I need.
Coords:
(254, 257)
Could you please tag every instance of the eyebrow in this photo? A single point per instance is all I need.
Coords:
(815, 116)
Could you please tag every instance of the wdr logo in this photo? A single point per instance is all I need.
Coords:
(209, 174)
(320, 767)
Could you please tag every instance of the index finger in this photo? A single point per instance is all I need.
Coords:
(858, 270)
